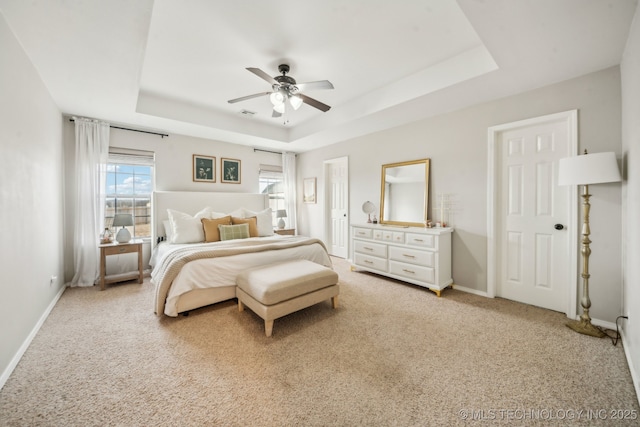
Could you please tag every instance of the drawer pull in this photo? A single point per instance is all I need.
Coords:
(408, 271)
(369, 249)
(368, 262)
(408, 256)
(362, 233)
(121, 250)
(418, 240)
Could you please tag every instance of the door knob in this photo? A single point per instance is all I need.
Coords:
(558, 226)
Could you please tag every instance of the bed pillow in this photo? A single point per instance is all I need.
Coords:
(238, 213)
(168, 230)
(231, 232)
(187, 228)
(251, 222)
(210, 226)
(264, 220)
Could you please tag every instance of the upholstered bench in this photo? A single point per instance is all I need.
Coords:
(279, 289)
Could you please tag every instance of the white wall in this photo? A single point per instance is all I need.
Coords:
(31, 200)
(173, 172)
(456, 143)
(630, 71)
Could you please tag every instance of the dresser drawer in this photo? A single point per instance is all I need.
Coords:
(415, 272)
(423, 240)
(369, 248)
(362, 232)
(413, 256)
(371, 262)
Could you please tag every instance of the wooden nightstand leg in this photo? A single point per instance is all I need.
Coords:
(103, 268)
(140, 272)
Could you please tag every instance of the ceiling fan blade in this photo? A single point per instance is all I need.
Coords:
(276, 114)
(321, 84)
(264, 76)
(244, 98)
(314, 103)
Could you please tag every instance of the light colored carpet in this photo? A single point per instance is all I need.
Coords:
(391, 354)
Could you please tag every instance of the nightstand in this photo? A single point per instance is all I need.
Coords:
(119, 249)
(285, 231)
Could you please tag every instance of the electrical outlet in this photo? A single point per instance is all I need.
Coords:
(53, 281)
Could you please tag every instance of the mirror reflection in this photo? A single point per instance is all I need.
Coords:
(404, 193)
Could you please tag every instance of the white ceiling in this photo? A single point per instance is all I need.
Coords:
(171, 65)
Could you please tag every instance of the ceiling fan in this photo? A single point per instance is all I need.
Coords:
(284, 88)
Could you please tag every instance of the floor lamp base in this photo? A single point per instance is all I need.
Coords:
(585, 327)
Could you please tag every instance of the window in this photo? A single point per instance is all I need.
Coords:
(272, 183)
(129, 186)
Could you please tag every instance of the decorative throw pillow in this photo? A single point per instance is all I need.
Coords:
(231, 232)
(187, 228)
(252, 222)
(211, 232)
(264, 220)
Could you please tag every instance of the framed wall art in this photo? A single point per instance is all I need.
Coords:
(230, 170)
(309, 190)
(204, 168)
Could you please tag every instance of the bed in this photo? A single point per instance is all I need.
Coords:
(187, 276)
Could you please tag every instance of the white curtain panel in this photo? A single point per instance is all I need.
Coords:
(92, 152)
(289, 174)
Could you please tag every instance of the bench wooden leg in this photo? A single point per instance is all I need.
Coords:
(334, 301)
(240, 305)
(268, 327)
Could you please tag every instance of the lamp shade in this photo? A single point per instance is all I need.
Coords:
(281, 213)
(295, 101)
(276, 98)
(122, 220)
(586, 169)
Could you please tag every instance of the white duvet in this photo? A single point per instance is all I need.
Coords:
(222, 271)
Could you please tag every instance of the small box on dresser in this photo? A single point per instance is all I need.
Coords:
(421, 256)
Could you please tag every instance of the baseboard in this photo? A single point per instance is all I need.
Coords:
(470, 290)
(27, 342)
(632, 370)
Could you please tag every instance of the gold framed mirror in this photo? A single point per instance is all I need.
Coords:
(404, 194)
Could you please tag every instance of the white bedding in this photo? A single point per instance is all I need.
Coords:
(222, 271)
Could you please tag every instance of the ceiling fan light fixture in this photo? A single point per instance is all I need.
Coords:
(279, 108)
(276, 98)
(295, 101)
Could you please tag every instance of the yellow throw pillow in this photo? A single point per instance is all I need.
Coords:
(211, 232)
(253, 224)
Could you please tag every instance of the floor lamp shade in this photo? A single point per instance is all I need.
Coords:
(123, 220)
(588, 169)
(584, 170)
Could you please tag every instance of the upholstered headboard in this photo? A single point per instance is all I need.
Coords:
(191, 202)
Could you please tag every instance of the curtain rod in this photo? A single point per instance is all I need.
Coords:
(266, 151)
(162, 135)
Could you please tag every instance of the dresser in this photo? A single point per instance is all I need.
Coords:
(421, 256)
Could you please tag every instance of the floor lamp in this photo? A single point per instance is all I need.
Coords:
(584, 170)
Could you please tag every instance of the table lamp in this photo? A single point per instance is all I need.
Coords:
(281, 213)
(123, 220)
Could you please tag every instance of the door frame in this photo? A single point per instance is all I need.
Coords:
(493, 167)
(327, 207)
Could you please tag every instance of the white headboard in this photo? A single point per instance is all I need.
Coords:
(193, 201)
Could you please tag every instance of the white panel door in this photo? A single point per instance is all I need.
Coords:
(534, 256)
(337, 181)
